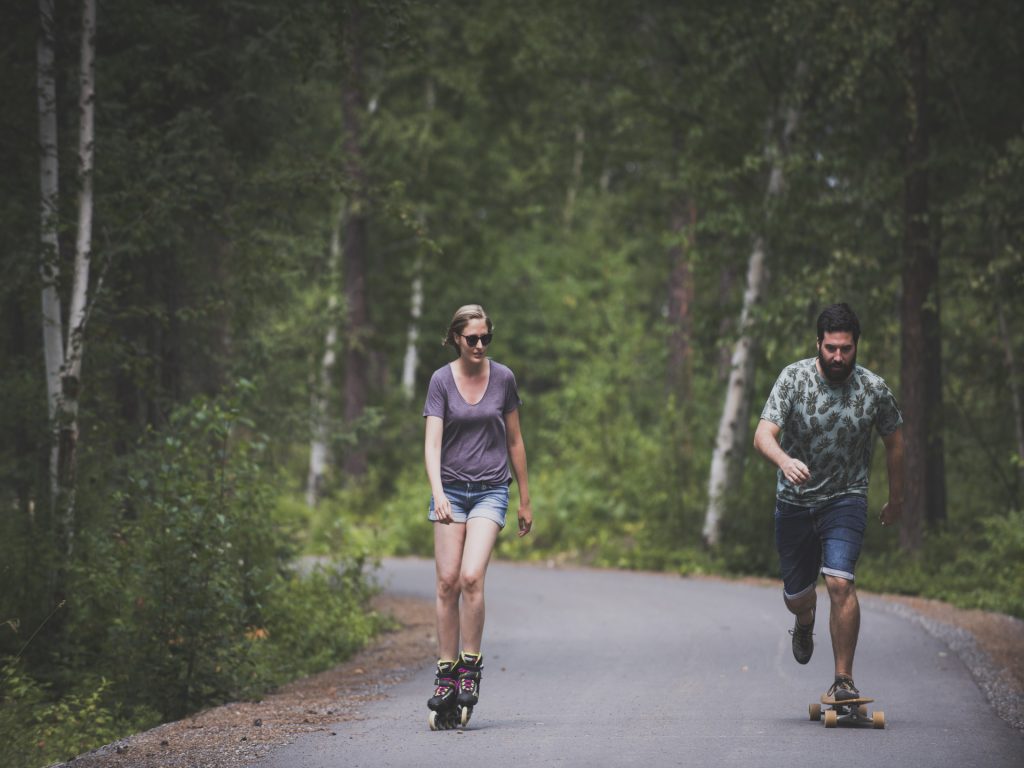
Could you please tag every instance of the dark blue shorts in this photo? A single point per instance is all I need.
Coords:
(822, 539)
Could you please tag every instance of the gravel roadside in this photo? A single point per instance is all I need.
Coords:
(239, 734)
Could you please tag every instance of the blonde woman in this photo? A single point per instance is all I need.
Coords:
(472, 437)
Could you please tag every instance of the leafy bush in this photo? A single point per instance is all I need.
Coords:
(195, 555)
(37, 730)
(970, 565)
(181, 593)
(313, 621)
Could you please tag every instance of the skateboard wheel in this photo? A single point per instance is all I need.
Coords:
(862, 711)
(831, 719)
(878, 719)
(815, 711)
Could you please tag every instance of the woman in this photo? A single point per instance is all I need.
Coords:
(472, 435)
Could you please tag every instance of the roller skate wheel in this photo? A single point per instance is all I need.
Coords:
(432, 721)
(831, 719)
(464, 714)
(815, 711)
(878, 719)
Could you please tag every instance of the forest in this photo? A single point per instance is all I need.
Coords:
(233, 232)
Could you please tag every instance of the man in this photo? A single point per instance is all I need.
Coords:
(826, 409)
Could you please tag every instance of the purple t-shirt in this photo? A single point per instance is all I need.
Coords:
(473, 448)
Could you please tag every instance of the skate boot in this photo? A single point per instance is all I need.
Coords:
(443, 711)
(468, 669)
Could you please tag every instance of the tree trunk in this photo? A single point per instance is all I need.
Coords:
(411, 360)
(49, 261)
(732, 427)
(319, 449)
(921, 358)
(71, 372)
(1015, 398)
(357, 326)
(576, 178)
(731, 439)
(726, 280)
(680, 300)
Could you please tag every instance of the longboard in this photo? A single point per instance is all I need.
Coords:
(848, 712)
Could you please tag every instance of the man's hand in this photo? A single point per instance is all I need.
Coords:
(891, 512)
(795, 471)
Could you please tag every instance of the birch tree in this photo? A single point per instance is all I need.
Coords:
(411, 359)
(319, 449)
(733, 424)
(64, 347)
(49, 264)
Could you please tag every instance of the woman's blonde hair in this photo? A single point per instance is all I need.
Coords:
(461, 319)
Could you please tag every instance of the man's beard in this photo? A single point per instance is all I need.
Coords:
(837, 373)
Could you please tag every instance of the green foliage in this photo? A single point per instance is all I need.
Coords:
(973, 564)
(37, 730)
(182, 593)
(196, 554)
(312, 621)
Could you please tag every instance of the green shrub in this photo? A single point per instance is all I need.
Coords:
(313, 621)
(37, 729)
(972, 565)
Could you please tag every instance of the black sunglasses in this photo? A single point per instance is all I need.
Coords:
(472, 340)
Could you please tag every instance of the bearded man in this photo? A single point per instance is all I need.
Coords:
(827, 410)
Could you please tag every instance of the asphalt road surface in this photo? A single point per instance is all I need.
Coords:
(602, 668)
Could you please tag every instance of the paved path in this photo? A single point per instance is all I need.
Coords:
(601, 668)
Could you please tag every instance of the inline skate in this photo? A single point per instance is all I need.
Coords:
(468, 671)
(443, 704)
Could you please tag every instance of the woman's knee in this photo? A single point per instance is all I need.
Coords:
(472, 582)
(448, 586)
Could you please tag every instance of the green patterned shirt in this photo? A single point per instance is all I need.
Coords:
(829, 428)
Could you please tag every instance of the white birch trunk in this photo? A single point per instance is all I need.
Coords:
(71, 371)
(736, 412)
(49, 265)
(732, 427)
(83, 242)
(411, 359)
(319, 449)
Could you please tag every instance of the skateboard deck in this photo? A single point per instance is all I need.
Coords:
(847, 712)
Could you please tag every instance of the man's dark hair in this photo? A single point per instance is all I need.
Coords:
(838, 317)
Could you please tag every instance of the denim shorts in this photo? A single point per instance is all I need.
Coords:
(826, 538)
(471, 500)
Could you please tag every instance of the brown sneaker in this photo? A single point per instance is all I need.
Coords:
(843, 689)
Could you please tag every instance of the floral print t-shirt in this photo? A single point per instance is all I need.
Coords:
(829, 427)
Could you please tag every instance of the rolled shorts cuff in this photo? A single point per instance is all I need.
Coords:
(838, 574)
(806, 590)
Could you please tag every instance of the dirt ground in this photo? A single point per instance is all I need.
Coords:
(239, 734)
